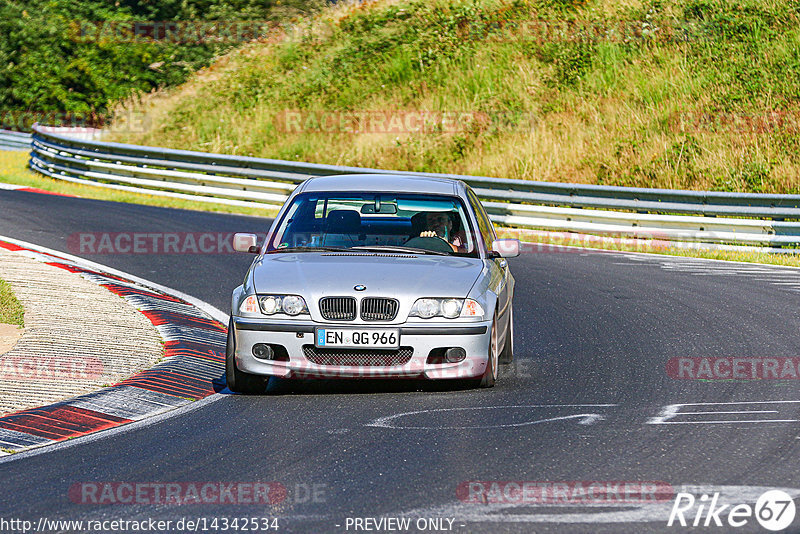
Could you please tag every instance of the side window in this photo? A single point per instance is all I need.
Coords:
(484, 224)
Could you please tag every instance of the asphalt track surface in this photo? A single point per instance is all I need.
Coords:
(591, 329)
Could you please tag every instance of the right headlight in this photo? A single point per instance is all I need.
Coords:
(427, 308)
(272, 304)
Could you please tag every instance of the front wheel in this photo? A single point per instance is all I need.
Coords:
(490, 375)
(239, 381)
(507, 355)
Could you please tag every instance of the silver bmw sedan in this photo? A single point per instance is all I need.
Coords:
(374, 276)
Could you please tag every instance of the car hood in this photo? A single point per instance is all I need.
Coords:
(316, 275)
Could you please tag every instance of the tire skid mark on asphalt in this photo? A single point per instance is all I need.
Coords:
(584, 418)
(777, 275)
(517, 511)
(193, 358)
(117, 402)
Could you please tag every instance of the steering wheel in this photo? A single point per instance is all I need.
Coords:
(436, 244)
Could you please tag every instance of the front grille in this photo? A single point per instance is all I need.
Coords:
(378, 309)
(338, 308)
(361, 357)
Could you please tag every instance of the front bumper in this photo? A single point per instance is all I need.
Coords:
(473, 337)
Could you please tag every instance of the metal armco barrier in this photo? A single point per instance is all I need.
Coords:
(14, 140)
(700, 216)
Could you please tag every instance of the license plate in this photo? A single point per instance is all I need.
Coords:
(361, 338)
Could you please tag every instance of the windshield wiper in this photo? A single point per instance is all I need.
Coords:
(394, 248)
(309, 249)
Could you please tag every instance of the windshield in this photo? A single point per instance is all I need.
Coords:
(432, 224)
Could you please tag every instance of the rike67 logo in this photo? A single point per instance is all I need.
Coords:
(774, 510)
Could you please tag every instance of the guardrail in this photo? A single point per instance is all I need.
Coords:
(700, 216)
(14, 140)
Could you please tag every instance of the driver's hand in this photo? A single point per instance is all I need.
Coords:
(428, 233)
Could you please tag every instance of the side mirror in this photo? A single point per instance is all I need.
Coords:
(245, 243)
(506, 248)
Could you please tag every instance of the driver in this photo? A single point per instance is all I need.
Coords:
(440, 224)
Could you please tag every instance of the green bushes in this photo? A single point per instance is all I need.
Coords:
(48, 65)
(11, 311)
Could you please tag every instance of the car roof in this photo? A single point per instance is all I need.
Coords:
(383, 182)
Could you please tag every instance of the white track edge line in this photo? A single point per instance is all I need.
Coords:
(110, 432)
(656, 255)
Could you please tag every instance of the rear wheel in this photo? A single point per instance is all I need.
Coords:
(507, 355)
(239, 381)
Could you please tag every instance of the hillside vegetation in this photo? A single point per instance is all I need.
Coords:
(691, 94)
(70, 60)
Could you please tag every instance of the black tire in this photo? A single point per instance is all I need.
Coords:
(490, 375)
(239, 381)
(507, 354)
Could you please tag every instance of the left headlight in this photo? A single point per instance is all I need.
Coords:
(272, 304)
(427, 308)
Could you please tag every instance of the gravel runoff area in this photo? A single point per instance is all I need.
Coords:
(78, 336)
(9, 334)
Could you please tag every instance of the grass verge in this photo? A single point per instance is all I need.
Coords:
(11, 311)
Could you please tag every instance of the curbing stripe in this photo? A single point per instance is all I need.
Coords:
(202, 336)
(193, 361)
(127, 289)
(93, 276)
(195, 350)
(45, 192)
(145, 303)
(158, 318)
(190, 366)
(60, 421)
(11, 439)
(128, 402)
(26, 189)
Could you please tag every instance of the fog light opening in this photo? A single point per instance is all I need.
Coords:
(262, 351)
(455, 355)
